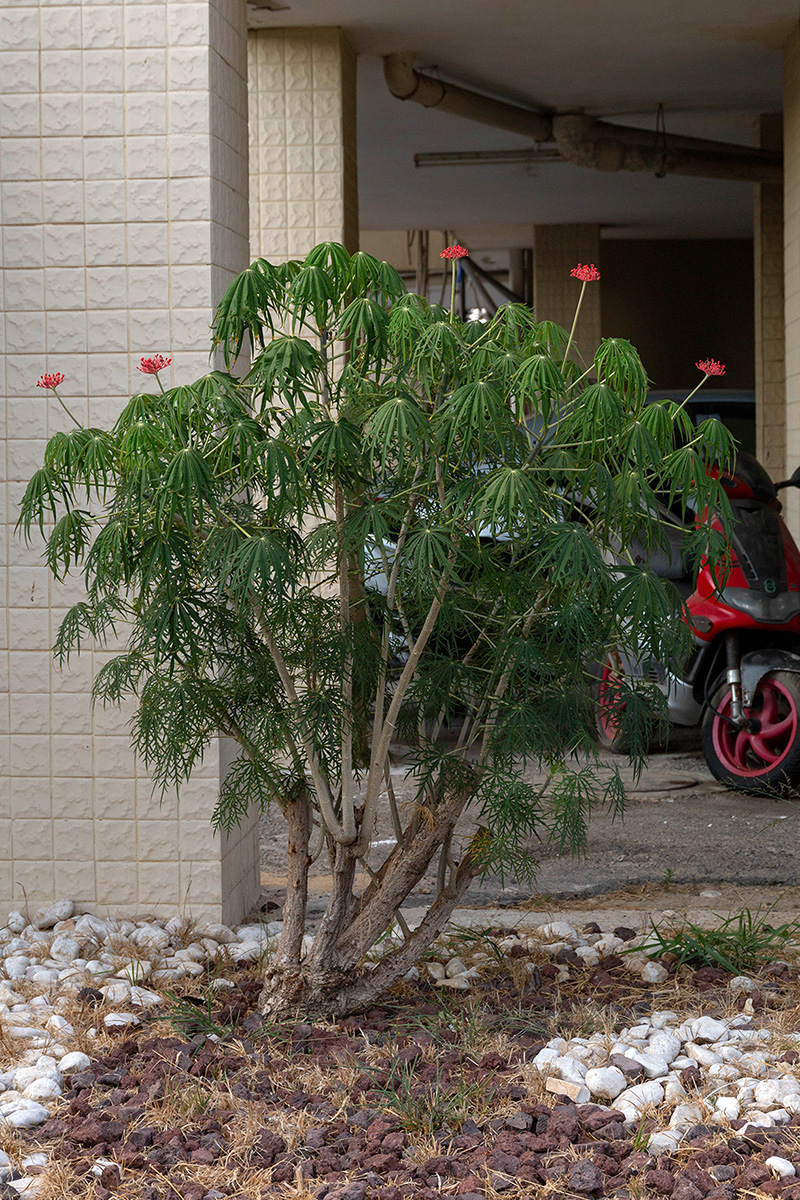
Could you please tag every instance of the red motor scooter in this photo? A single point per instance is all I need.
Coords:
(741, 682)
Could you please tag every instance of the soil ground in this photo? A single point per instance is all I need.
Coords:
(681, 827)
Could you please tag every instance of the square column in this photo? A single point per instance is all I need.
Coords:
(303, 182)
(124, 209)
(769, 315)
(791, 248)
(556, 250)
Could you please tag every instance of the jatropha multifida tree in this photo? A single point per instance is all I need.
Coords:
(394, 527)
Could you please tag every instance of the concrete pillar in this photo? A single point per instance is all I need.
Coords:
(303, 184)
(791, 249)
(769, 314)
(124, 209)
(556, 250)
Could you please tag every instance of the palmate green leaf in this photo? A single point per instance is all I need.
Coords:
(221, 397)
(288, 368)
(249, 784)
(42, 497)
(175, 629)
(718, 443)
(639, 446)
(619, 366)
(67, 543)
(436, 352)
(649, 609)
(119, 677)
(540, 383)
(408, 320)
(143, 442)
(595, 419)
(365, 324)
(332, 258)
(240, 448)
(683, 473)
(312, 292)
(553, 338)
(571, 557)
(398, 428)
(189, 487)
(83, 622)
(573, 796)
(428, 547)
(513, 325)
(334, 449)
(246, 309)
(260, 562)
(175, 721)
(367, 275)
(509, 501)
(473, 419)
(84, 456)
(165, 562)
(109, 562)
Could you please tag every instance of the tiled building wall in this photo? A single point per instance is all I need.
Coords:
(791, 248)
(769, 314)
(303, 186)
(123, 185)
(556, 250)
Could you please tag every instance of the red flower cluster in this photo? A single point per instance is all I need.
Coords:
(51, 382)
(586, 272)
(151, 366)
(455, 251)
(710, 366)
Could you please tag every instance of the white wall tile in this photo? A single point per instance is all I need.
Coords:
(126, 143)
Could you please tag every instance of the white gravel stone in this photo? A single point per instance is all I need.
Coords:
(455, 966)
(665, 1045)
(556, 930)
(23, 1114)
(728, 1106)
(634, 1100)
(654, 973)
(47, 917)
(665, 1142)
(119, 1020)
(742, 984)
(781, 1166)
(219, 933)
(16, 922)
(702, 1055)
(607, 1082)
(686, 1115)
(673, 1089)
(703, 1029)
(43, 1090)
(74, 1062)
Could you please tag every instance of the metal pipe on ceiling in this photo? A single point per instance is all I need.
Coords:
(407, 84)
(583, 141)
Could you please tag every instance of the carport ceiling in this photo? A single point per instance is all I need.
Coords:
(713, 64)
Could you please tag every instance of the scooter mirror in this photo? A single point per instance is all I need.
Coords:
(792, 481)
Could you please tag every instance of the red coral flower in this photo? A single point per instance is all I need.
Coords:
(710, 366)
(586, 272)
(51, 382)
(455, 251)
(151, 366)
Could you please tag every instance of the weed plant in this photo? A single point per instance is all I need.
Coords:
(739, 943)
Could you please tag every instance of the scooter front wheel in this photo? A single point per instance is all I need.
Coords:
(608, 707)
(765, 758)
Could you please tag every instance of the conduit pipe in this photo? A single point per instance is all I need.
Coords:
(407, 84)
(584, 141)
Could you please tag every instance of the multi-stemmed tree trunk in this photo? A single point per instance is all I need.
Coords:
(396, 526)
